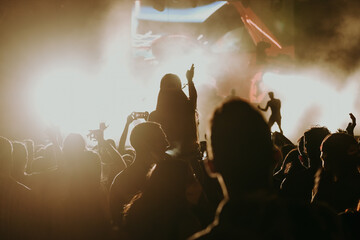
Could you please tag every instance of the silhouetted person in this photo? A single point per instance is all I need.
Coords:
(178, 117)
(338, 183)
(177, 113)
(275, 105)
(111, 160)
(285, 167)
(83, 213)
(241, 157)
(161, 210)
(312, 142)
(16, 200)
(150, 144)
(299, 184)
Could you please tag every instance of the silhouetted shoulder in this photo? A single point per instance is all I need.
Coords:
(273, 218)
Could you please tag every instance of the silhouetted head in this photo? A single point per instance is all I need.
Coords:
(271, 95)
(339, 152)
(302, 154)
(74, 143)
(5, 155)
(170, 82)
(312, 141)
(171, 100)
(241, 146)
(148, 137)
(82, 166)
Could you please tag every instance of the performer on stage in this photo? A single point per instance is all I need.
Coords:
(275, 105)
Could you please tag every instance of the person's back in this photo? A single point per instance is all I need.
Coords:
(338, 184)
(161, 210)
(177, 113)
(275, 105)
(150, 144)
(271, 217)
(124, 187)
(241, 154)
(72, 202)
(298, 182)
(299, 185)
(241, 157)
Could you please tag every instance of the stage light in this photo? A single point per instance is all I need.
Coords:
(311, 99)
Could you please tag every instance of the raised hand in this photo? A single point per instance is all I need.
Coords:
(353, 118)
(351, 125)
(190, 73)
(130, 119)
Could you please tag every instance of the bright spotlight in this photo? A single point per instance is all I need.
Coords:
(64, 96)
(309, 100)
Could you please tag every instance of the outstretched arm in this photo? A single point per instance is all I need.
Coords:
(351, 125)
(192, 89)
(264, 109)
(121, 147)
(108, 153)
(113, 154)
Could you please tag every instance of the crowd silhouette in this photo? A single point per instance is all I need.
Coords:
(243, 182)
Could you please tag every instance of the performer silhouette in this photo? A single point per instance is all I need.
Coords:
(275, 105)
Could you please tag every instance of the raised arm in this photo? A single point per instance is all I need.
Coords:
(264, 109)
(108, 153)
(192, 89)
(351, 125)
(122, 141)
